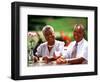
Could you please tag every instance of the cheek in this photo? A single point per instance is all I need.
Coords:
(50, 38)
(76, 36)
(53, 37)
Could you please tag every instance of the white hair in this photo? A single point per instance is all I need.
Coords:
(79, 25)
(46, 27)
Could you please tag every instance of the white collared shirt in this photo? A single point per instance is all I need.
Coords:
(82, 50)
(57, 49)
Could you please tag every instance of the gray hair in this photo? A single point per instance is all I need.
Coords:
(47, 27)
(76, 25)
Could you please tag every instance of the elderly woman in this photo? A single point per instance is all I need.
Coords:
(51, 49)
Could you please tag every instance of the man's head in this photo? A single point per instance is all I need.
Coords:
(49, 34)
(78, 32)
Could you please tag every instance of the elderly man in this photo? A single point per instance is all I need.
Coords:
(77, 51)
(51, 49)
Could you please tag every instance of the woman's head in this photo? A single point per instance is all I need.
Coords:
(48, 32)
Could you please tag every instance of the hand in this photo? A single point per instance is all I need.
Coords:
(56, 57)
(35, 59)
(45, 59)
(60, 61)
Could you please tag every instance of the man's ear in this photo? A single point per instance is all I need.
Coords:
(84, 33)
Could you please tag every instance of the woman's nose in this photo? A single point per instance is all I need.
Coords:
(50, 36)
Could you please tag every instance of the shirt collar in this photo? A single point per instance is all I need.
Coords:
(54, 43)
(80, 42)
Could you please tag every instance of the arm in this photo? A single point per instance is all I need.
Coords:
(82, 56)
(35, 58)
(54, 58)
(75, 60)
(79, 60)
(37, 54)
(70, 61)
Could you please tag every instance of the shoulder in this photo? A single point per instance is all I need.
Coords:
(85, 42)
(72, 43)
(59, 43)
(70, 46)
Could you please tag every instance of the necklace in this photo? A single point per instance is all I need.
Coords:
(50, 45)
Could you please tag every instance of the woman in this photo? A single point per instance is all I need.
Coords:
(51, 49)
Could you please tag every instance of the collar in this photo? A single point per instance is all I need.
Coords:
(80, 42)
(54, 43)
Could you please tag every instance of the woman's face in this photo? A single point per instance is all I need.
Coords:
(49, 36)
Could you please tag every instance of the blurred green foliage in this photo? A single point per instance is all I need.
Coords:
(59, 23)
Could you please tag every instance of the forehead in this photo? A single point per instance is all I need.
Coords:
(48, 31)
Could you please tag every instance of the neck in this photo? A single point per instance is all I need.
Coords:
(50, 46)
(51, 43)
(79, 40)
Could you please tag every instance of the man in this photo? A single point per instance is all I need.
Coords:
(77, 51)
(51, 49)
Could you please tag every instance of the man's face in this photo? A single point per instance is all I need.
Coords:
(49, 36)
(78, 33)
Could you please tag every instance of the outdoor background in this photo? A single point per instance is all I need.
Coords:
(63, 27)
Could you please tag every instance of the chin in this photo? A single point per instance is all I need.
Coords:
(51, 41)
(76, 40)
